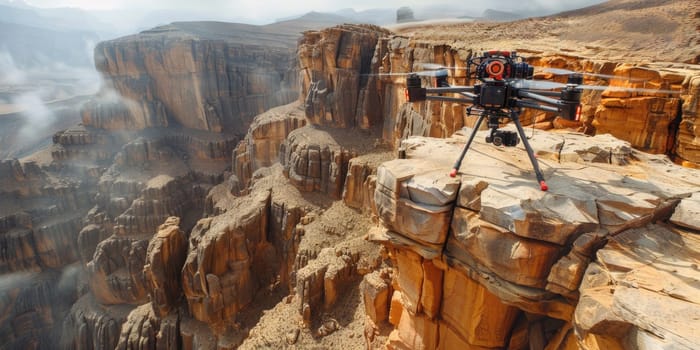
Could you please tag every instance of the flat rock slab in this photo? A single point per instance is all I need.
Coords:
(583, 195)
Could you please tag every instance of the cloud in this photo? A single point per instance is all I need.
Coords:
(37, 117)
(259, 12)
(9, 73)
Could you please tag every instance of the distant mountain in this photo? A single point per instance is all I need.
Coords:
(62, 19)
(379, 16)
(34, 37)
(38, 47)
(501, 16)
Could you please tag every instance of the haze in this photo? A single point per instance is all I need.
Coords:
(46, 46)
(263, 12)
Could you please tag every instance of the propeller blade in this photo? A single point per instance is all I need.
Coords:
(550, 85)
(424, 73)
(627, 89)
(562, 71)
(385, 74)
(431, 66)
(538, 84)
(433, 73)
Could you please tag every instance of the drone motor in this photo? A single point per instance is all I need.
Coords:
(501, 65)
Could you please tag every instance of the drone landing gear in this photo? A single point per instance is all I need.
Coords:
(493, 124)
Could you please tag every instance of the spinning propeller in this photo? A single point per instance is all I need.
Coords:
(495, 67)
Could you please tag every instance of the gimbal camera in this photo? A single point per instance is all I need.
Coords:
(505, 87)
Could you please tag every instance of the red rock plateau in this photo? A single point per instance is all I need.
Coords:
(236, 186)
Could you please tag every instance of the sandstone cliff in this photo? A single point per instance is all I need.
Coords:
(487, 260)
(204, 76)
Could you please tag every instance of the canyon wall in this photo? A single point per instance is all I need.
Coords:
(203, 76)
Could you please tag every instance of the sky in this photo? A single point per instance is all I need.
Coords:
(269, 10)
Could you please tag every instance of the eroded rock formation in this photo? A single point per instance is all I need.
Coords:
(335, 65)
(203, 76)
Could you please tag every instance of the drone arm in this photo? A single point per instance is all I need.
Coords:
(533, 105)
(543, 93)
(466, 99)
(448, 89)
(538, 97)
(569, 106)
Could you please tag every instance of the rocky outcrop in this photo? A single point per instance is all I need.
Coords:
(90, 325)
(314, 161)
(81, 143)
(237, 254)
(642, 289)
(143, 330)
(116, 271)
(33, 306)
(164, 260)
(320, 283)
(261, 145)
(477, 255)
(217, 276)
(204, 75)
(648, 121)
(335, 64)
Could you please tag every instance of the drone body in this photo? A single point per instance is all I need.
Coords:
(505, 87)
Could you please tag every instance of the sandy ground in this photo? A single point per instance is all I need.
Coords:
(629, 30)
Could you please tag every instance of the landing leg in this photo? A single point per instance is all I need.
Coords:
(515, 116)
(458, 163)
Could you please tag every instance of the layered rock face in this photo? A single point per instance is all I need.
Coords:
(486, 260)
(335, 64)
(261, 146)
(39, 224)
(204, 76)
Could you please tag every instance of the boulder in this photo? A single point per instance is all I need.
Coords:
(414, 200)
(687, 213)
(376, 294)
(521, 261)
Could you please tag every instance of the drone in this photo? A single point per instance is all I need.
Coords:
(505, 87)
